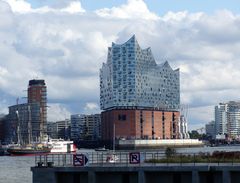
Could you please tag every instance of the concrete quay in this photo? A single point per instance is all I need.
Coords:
(156, 144)
(144, 173)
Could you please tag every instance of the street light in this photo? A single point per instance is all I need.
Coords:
(114, 136)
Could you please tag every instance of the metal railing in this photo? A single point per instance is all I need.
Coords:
(146, 159)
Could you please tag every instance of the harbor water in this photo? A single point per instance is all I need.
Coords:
(16, 169)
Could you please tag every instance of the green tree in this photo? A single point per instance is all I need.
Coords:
(170, 152)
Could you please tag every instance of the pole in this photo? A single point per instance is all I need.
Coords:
(114, 136)
(29, 125)
(18, 129)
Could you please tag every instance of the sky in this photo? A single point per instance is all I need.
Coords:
(65, 42)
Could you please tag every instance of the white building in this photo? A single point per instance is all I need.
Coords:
(227, 119)
(233, 119)
(183, 128)
(221, 118)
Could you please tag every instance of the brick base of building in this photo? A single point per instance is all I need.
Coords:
(139, 124)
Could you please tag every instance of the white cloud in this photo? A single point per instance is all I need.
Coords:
(56, 112)
(22, 6)
(74, 7)
(133, 9)
(199, 116)
(91, 106)
(19, 6)
(67, 49)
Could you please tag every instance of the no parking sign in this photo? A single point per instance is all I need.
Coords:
(79, 160)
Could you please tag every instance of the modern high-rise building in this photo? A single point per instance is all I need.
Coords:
(210, 129)
(63, 129)
(85, 127)
(52, 130)
(233, 119)
(227, 119)
(59, 129)
(37, 94)
(140, 99)
(27, 121)
(76, 128)
(221, 118)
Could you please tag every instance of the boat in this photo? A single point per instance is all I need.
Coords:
(61, 146)
(2, 152)
(30, 147)
(101, 149)
(28, 150)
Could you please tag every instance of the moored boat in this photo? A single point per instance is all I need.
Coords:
(61, 146)
(101, 149)
(28, 150)
(1, 151)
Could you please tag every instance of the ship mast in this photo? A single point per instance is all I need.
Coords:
(29, 125)
(18, 129)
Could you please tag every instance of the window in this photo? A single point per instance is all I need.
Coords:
(122, 117)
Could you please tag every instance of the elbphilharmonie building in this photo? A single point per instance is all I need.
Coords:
(138, 96)
(131, 78)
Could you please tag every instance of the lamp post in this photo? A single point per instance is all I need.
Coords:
(114, 136)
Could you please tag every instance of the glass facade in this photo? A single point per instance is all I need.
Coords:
(227, 119)
(131, 78)
(85, 127)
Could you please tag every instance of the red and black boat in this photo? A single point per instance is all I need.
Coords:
(28, 150)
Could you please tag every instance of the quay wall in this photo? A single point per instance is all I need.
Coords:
(146, 144)
(138, 174)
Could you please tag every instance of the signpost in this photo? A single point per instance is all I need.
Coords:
(134, 158)
(80, 160)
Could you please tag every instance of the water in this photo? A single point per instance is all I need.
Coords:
(16, 169)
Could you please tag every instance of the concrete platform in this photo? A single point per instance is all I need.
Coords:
(138, 174)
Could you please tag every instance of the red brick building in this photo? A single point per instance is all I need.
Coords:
(139, 124)
(37, 94)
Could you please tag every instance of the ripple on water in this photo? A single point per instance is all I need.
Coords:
(16, 169)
